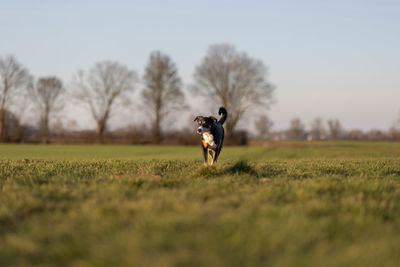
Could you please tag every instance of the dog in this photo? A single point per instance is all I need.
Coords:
(212, 135)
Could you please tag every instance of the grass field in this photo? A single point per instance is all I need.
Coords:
(292, 204)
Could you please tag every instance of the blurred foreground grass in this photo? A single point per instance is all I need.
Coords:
(301, 204)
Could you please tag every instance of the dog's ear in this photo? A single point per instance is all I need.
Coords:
(213, 118)
(197, 118)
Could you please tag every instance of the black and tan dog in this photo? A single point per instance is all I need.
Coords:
(212, 135)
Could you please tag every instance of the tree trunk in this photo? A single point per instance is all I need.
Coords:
(230, 125)
(229, 128)
(100, 130)
(45, 129)
(2, 112)
(157, 129)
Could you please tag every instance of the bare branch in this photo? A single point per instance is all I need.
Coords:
(99, 90)
(14, 79)
(296, 129)
(48, 96)
(233, 80)
(163, 90)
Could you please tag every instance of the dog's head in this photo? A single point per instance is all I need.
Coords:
(204, 123)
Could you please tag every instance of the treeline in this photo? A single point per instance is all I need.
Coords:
(141, 134)
(225, 77)
(332, 129)
(34, 109)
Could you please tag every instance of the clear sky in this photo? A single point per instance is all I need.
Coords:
(331, 58)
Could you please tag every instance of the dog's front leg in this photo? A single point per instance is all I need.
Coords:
(212, 155)
(205, 156)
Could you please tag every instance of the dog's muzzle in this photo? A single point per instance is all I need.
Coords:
(200, 130)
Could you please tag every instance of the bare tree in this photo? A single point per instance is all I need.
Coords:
(48, 99)
(263, 126)
(163, 90)
(234, 80)
(317, 129)
(106, 83)
(397, 122)
(296, 129)
(394, 133)
(14, 79)
(375, 135)
(335, 128)
(355, 134)
(13, 129)
(394, 130)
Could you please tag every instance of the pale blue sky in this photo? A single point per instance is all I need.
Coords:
(333, 59)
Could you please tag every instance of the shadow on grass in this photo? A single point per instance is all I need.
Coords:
(240, 167)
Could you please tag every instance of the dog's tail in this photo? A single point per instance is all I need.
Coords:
(222, 111)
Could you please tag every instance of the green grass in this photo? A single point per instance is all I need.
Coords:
(288, 150)
(300, 204)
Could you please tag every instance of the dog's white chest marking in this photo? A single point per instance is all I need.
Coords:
(209, 139)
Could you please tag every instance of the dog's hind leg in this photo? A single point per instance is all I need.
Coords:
(219, 148)
(216, 154)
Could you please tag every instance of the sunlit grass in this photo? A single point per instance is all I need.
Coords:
(305, 204)
(287, 150)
